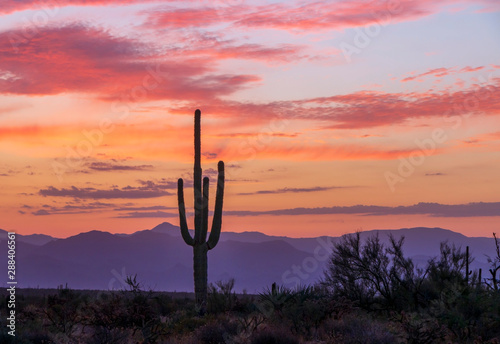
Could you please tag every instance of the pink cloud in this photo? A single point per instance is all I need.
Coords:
(361, 109)
(483, 138)
(316, 152)
(335, 15)
(470, 69)
(14, 6)
(214, 46)
(441, 72)
(283, 53)
(438, 72)
(193, 17)
(76, 58)
(315, 16)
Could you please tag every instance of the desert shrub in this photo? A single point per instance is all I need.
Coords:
(273, 336)
(106, 335)
(357, 328)
(468, 313)
(372, 274)
(221, 297)
(188, 324)
(303, 309)
(107, 319)
(62, 312)
(164, 304)
(493, 283)
(113, 317)
(216, 331)
(26, 338)
(272, 301)
(445, 271)
(307, 309)
(420, 328)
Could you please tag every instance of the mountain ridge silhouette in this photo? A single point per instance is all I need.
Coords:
(101, 260)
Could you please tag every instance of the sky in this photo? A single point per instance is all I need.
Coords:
(331, 116)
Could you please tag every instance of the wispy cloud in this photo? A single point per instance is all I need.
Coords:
(150, 190)
(293, 190)
(41, 212)
(442, 72)
(363, 109)
(431, 209)
(70, 208)
(155, 207)
(11, 108)
(256, 134)
(146, 214)
(106, 166)
(83, 207)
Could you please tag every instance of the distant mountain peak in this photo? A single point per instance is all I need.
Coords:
(165, 226)
(94, 234)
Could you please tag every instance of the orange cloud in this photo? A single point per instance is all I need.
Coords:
(480, 140)
(245, 135)
(143, 143)
(247, 150)
(30, 131)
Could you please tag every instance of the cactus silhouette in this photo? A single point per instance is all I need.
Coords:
(467, 271)
(200, 244)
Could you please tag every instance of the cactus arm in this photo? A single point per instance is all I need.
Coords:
(204, 231)
(197, 139)
(217, 220)
(182, 213)
(198, 196)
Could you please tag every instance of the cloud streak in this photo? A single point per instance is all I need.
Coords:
(442, 72)
(106, 166)
(128, 192)
(71, 208)
(431, 209)
(293, 190)
(363, 109)
(146, 214)
(295, 17)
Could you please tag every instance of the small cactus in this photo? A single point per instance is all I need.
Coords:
(467, 271)
(200, 243)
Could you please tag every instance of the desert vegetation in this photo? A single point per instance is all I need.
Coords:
(370, 293)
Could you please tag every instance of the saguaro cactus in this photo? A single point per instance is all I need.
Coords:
(200, 243)
(467, 271)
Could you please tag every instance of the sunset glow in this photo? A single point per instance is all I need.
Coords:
(331, 116)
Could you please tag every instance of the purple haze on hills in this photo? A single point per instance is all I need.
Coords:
(162, 261)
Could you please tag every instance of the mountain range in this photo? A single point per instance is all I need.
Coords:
(163, 262)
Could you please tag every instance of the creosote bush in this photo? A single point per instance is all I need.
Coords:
(442, 301)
